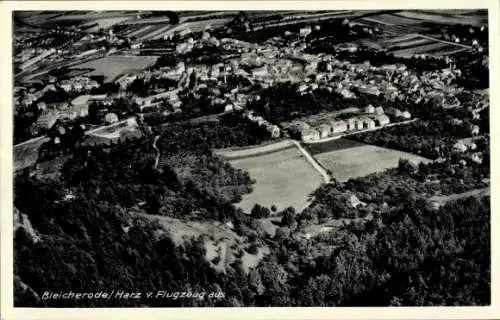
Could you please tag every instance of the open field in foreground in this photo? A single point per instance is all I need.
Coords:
(283, 176)
(112, 67)
(26, 154)
(442, 200)
(220, 241)
(359, 161)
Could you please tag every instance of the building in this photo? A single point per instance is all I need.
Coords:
(47, 119)
(406, 115)
(36, 59)
(373, 90)
(260, 72)
(310, 134)
(66, 85)
(379, 110)
(41, 106)
(474, 130)
(338, 126)
(354, 124)
(351, 124)
(382, 120)
(274, 130)
(324, 130)
(368, 123)
(110, 118)
(370, 109)
(460, 147)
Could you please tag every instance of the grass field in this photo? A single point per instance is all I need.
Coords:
(26, 154)
(112, 67)
(358, 161)
(283, 176)
(220, 241)
(442, 200)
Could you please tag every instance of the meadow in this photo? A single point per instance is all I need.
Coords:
(112, 67)
(362, 160)
(283, 177)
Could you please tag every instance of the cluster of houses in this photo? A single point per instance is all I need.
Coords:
(468, 147)
(273, 129)
(156, 100)
(30, 62)
(327, 125)
(77, 108)
(116, 132)
(78, 84)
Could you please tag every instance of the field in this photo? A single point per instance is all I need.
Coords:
(439, 201)
(445, 17)
(221, 243)
(155, 32)
(26, 154)
(283, 176)
(332, 145)
(104, 23)
(195, 26)
(347, 162)
(112, 67)
(410, 44)
(407, 33)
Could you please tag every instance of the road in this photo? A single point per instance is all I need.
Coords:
(157, 159)
(312, 161)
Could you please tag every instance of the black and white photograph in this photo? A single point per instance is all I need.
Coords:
(254, 158)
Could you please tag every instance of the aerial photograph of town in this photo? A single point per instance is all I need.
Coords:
(251, 158)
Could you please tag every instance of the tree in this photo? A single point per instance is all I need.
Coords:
(288, 218)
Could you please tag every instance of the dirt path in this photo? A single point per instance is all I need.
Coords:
(157, 159)
(313, 162)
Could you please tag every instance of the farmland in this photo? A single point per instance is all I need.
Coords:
(410, 44)
(277, 170)
(332, 145)
(346, 161)
(408, 33)
(112, 67)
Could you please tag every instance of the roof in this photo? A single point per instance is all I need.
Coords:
(83, 99)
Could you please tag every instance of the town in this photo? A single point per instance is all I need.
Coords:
(284, 151)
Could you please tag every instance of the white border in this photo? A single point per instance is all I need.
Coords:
(8, 312)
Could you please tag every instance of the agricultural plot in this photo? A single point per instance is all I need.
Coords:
(196, 26)
(104, 23)
(410, 44)
(139, 32)
(443, 18)
(155, 32)
(332, 145)
(394, 19)
(283, 176)
(359, 161)
(112, 67)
